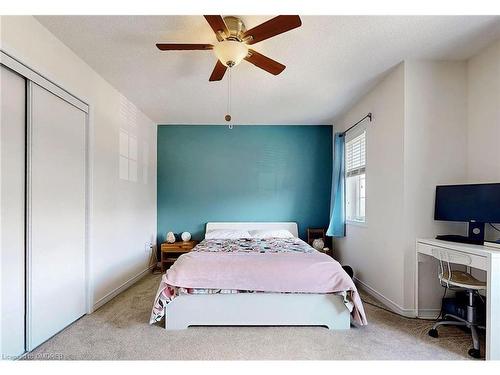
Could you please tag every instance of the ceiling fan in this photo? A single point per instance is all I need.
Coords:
(233, 40)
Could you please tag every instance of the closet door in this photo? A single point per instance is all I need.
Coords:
(56, 201)
(12, 136)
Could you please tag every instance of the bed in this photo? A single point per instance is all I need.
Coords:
(256, 282)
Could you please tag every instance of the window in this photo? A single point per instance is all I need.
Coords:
(355, 178)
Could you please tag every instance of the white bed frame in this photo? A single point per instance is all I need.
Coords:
(257, 309)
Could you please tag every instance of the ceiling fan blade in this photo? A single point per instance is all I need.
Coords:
(263, 62)
(218, 72)
(183, 47)
(273, 27)
(217, 24)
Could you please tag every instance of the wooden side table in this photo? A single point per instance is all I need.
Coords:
(171, 251)
(313, 233)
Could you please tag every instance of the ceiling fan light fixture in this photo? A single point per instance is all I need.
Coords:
(230, 52)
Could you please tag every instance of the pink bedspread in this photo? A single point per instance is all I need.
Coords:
(312, 272)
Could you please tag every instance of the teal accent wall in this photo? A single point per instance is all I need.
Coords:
(249, 173)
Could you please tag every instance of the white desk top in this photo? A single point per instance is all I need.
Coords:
(467, 248)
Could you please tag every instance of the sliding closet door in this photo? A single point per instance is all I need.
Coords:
(13, 133)
(56, 200)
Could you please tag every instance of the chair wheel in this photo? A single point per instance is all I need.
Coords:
(433, 333)
(474, 353)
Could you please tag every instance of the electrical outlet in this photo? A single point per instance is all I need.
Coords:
(148, 246)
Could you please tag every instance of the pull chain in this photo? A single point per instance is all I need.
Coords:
(228, 115)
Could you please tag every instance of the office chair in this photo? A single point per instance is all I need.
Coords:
(459, 280)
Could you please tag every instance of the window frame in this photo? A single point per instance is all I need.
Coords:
(349, 136)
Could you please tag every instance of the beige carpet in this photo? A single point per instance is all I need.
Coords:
(120, 330)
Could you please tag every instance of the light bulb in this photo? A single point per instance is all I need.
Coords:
(230, 52)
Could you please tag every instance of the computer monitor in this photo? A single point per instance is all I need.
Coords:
(476, 204)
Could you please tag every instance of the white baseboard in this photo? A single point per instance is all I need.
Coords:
(127, 284)
(428, 314)
(409, 313)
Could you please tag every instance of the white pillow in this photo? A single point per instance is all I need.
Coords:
(226, 234)
(277, 233)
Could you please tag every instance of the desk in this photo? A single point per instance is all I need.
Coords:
(475, 256)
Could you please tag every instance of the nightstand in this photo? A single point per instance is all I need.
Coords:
(313, 233)
(171, 251)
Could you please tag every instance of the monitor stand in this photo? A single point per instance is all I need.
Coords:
(475, 237)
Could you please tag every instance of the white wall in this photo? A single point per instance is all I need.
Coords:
(483, 130)
(434, 143)
(374, 250)
(416, 141)
(123, 213)
(449, 134)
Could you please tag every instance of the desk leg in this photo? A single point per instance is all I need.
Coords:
(493, 308)
(417, 261)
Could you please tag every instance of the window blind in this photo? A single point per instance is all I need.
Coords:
(355, 156)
